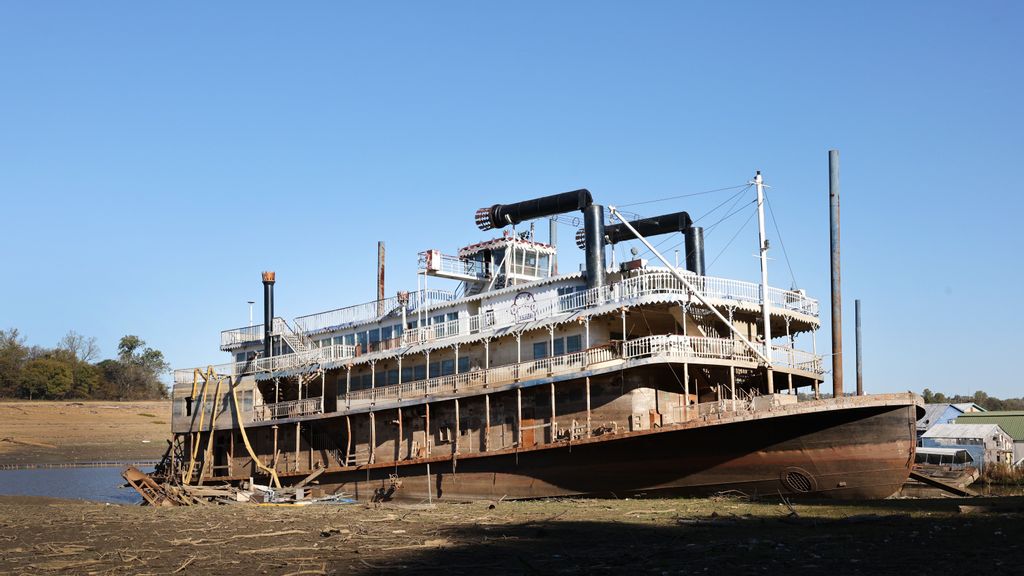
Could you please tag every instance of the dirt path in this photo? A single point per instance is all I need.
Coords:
(56, 432)
(708, 536)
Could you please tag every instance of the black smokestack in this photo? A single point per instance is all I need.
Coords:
(501, 215)
(664, 224)
(594, 232)
(268, 314)
(694, 236)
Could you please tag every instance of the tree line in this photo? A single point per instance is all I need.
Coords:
(73, 369)
(980, 398)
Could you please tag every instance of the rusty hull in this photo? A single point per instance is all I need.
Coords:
(864, 450)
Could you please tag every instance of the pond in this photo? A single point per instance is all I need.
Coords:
(97, 484)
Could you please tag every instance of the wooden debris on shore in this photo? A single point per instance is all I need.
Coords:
(168, 494)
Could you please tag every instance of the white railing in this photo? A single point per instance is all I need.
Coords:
(653, 282)
(290, 409)
(370, 310)
(239, 336)
(786, 357)
(476, 379)
(187, 375)
(688, 347)
(454, 265)
(331, 353)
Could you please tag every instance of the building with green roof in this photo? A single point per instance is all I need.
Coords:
(1012, 422)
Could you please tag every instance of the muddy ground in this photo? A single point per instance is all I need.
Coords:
(59, 432)
(700, 536)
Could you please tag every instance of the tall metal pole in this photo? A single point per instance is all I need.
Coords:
(837, 299)
(553, 240)
(380, 278)
(251, 302)
(860, 361)
(765, 306)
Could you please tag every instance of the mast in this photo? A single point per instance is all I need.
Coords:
(765, 306)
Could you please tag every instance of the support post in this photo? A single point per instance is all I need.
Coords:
(587, 380)
(458, 430)
(298, 439)
(837, 299)
(732, 386)
(519, 416)
(487, 423)
(373, 439)
(553, 423)
(348, 439)
(686, 391)
(860, 361)
(398, 444)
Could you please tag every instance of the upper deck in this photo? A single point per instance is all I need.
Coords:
(437, 318)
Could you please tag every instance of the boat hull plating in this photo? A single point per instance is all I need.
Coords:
(857, 452)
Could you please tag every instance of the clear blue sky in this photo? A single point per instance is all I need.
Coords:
(155, 158)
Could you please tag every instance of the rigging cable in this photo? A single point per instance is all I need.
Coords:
(749, 218)
(792, 276)
(683, 195)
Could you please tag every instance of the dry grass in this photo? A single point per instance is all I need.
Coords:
(56, 432)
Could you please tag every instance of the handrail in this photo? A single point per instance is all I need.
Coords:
(370, 310)
(454, 265)
(239, 336)
(670, 346)
(289, 409)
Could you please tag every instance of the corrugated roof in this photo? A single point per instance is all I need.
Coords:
(962, 430)
(931, 413)
(1012, 422)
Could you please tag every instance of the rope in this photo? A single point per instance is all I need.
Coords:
(196, 374)
(245, 440)
(208, 454)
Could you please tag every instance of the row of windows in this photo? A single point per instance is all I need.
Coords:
(409, 373)
(367, 338)
(560, 346)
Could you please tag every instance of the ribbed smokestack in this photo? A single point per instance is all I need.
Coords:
(694, 237)
(501, 215)
(268, 313)
(593, 226)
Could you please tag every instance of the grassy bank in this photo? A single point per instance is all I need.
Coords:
(57, 432)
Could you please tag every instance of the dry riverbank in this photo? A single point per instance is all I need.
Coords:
(59, 432)
(706, 536)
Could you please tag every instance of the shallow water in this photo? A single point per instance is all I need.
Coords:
(97, 484)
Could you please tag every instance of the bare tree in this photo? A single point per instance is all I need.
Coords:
(81, 347)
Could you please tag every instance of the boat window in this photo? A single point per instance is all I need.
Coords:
(407, 375)
(392, 377)
(420, 372)
(559, 347)
(435, 369)
(530, 267)
(543, 265)
(374, 335)
(463, 364)
(447, 367)
(573, 344)
(386, 333)
(540, 350)
(240, 357)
